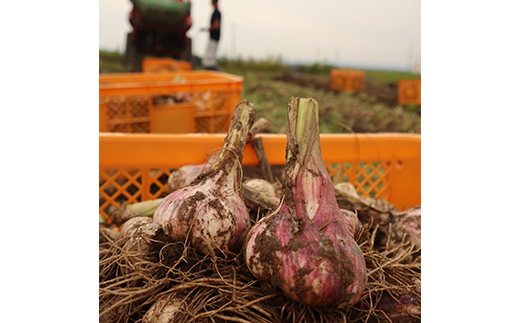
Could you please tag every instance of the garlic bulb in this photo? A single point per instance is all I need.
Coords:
(305, 247)
(210, 213)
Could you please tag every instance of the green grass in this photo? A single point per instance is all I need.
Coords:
(239, 65)
(111, 62)
(389, 77)
(269, 84)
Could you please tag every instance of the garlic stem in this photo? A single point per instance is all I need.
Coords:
(210, 212)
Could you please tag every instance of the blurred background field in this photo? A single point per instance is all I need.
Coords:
(269, 84)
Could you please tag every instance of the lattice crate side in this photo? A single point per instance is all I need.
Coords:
(358, 81)
(409, 92)
(212, 124)
(372, 179)
(347, 80)
(337, 81)
(369, 179)
(141, 127)
(353, 82)
(344, 172)
(118, 186)
(128, 114)
(339, 172)
(155, 183)
(139, 113)
(212, 111)
(115, 107)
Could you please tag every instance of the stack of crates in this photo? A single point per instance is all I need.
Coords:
(409, 92)
(347, 80)
(164, 65)
(172, 102)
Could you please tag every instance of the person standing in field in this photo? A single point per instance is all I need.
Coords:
(209, 61)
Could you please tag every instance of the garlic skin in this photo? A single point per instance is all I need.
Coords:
(306, 247)
(139, 237)
(163, 310)
(353, 223)
(210, 213)
(408, 223)
(183, 176)
(311, 183)
(297, 257)
(262, 186)
(139, 233)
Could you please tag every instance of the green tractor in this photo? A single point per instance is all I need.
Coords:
(159, 29)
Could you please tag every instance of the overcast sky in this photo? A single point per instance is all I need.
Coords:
(364, 33)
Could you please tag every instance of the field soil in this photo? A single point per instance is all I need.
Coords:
(384, 93)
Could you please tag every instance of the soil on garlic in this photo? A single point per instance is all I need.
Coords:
(188, 211)
(267, 243)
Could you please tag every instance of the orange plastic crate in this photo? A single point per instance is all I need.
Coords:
(164, 65)
(131, 102)
(409, 92)
(347, 80)
(136, 167)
